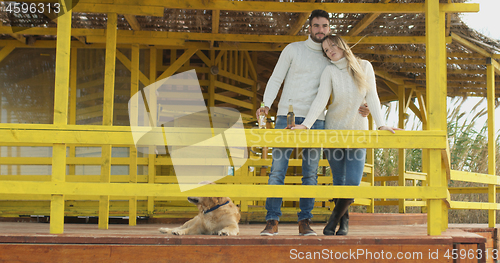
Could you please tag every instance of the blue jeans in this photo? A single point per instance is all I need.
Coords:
(310, 161)
(346, 165)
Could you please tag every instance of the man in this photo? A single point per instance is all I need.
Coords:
(300, 66)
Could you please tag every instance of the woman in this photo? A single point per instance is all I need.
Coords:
(351, 81)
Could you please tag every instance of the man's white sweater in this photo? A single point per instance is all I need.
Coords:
(300, 65)
(343, 112)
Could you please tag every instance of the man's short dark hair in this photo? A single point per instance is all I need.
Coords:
(318, 13)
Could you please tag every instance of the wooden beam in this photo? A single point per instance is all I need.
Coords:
(132, 21)
(139, 40)
(299, 22)
(204, 58)
(470, 45)
(365, 22)
(387, 76)
(232, 101)
(232, 88)
(215, 24)
(36, 134)
(416, 111)
(393, 87)
(18, 37)
(177, 64)
(491, 138)
(163, 38)
(422, 61)
(142, 10)
(253, 72)
(127, 63)
(359, 49)
(235, 190)
(301, 7)
(494, 64)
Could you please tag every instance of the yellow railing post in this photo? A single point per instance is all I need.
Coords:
(63, 51)
(134, 88)
(153, 111)
(490, 83)
(370, 160)
(107, 117)
(436, 102)
(72, 102)
(401, 152)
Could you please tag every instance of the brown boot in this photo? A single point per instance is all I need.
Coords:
(271, 228)
(305, 229)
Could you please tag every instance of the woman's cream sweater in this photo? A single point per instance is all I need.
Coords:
(343, 112)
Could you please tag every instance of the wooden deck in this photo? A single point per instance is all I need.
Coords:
(32, 242)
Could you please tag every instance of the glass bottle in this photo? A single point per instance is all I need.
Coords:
(290, 116)
(262, 116)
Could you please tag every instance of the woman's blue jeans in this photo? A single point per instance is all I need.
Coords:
(310, 161)
(346, 165)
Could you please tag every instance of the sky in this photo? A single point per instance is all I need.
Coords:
(484, 22)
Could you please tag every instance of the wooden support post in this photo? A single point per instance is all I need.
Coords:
(105, 178)
(9, 148)
(443, 84)
(72, 102)
(152, 108)
(57, 200)
(215, 24)
(212, 79)
(425, 153)
(134, 88)
(370, 160)
(109, 72)
(436, 100)
(251, 61)
(243, 172)
(63, 51)
(402, 152)
(107, 117)
(490, 83)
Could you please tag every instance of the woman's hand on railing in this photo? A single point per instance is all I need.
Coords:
(391, 129)
(299, 127)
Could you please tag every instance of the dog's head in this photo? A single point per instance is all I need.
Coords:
(205, 203)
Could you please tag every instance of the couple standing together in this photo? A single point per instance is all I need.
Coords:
(309, 80)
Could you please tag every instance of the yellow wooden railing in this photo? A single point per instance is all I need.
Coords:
(239, 187)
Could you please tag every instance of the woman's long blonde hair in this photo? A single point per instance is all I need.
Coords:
(353, 66)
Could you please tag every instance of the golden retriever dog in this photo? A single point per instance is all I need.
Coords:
(217, 216)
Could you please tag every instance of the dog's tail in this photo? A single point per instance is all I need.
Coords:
(165, 230)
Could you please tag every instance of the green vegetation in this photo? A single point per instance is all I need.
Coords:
(469, 152)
